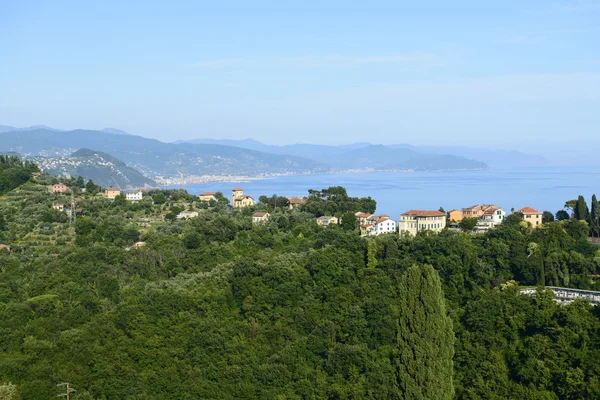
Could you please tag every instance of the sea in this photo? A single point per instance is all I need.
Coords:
(544, 188)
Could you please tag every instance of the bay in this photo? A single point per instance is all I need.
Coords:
(544, 188)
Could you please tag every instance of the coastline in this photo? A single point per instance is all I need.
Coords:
(203, 179)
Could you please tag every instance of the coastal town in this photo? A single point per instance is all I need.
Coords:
(476, 219)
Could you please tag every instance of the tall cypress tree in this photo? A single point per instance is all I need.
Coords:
(581, 210)
(425, 337)
(595, 216)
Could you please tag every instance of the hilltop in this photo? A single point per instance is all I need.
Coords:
(100, 167)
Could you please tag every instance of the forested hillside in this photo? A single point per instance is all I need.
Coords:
(14, 172)
(218, 308)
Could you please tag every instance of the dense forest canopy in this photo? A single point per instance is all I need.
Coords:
(217, 307)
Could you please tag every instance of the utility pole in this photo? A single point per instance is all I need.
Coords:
(68, 390)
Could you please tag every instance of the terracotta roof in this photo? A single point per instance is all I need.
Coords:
(454, 210)
(384, 215)
(206, 194)
(425, 213)
(259, 214)
(382, 219)
(245, 196)
(237, 189)
(490, 210)
(3, 246)
(366, 226)
(527, 210)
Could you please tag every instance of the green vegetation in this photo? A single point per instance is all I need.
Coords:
(216, 308)
(14, 172)
(425, 337)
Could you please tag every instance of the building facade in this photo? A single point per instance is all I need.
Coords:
(111, 193)
(414, 221)
(260, 217)
(239, 199)
(207, 196)
(383, 225)
(325, 221)
(531, 215)
(455, 215)
(134, 196)
(59, 188)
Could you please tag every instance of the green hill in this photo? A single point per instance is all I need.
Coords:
(14, 172)
(100, 167)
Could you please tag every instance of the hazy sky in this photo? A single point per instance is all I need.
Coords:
(505, 73)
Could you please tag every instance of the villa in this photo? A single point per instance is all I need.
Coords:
(530, 215)
(414, 221)
(240, 200)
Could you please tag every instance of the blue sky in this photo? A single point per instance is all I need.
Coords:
(496, 74)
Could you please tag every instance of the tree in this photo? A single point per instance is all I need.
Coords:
(442, 210)
(595, 217)
(570, 205)
(547, 216)
(159, 198)
(80, 183)
(562, 215)
(467, 224)
(425, 337)
(581, 210)
(221, 200)
(349, 221)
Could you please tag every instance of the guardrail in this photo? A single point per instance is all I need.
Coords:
(567, 295)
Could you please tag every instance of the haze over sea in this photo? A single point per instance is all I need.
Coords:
(544, 188)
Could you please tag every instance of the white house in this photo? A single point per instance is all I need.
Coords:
(383, 225)
(491, 217)
(134, 196)
(260, 217)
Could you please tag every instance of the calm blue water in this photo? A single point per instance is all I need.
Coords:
(544, 188)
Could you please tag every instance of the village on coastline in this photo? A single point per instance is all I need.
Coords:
(483, 216)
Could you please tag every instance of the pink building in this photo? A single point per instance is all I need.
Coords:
(60, 188)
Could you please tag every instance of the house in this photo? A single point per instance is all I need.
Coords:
(35, 175)
(134, 196)
(59, 207)
(58, 188)
(325, 221)
(414, 221)
(239, 199)
(4, 247)
(476, 211)
(383, 225)
(187, 214)
(366, 218)
(365, 229)
(260, 217)
(296, 202)
(494, 215)
(207, 196)
(111, 192)
(491, 217)
(530, 215)
(455, 215)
